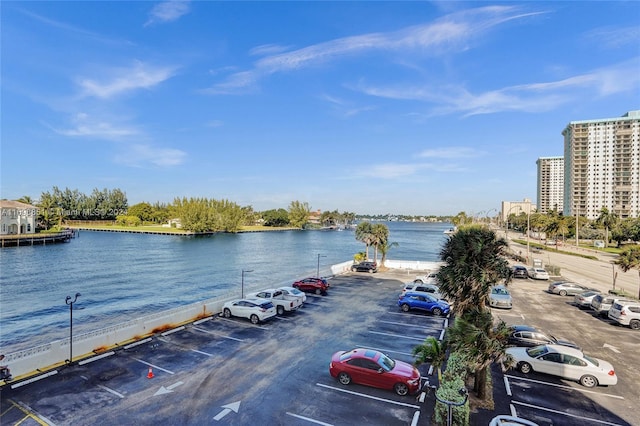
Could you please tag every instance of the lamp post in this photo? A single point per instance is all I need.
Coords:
(528, 232)
(506, 230)
(318, 268)
(244, 271)
(70, 302)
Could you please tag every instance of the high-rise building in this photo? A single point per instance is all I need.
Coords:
(602, 166)
(550, 184)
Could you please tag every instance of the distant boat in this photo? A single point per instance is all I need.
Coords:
(450, 231)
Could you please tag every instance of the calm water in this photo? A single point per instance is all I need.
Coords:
(122, 276)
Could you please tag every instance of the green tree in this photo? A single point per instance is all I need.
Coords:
(298, 214)
(25, 199)
(433, 351)
(474, 260)
(608, 220)
(384, 250)
(482, 342)
(47, 211)
(275, 218)
(364, 234)
(143, 211)
(380, 237)
(630, 259)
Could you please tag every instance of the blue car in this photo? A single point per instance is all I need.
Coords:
(423, 302)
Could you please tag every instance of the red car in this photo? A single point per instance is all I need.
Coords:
(314, 285)
(373, 368)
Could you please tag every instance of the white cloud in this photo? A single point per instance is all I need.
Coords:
(140, 155)
(614, 37)
(87, 126)
(167, 11)
(123, 80)
(451, 33)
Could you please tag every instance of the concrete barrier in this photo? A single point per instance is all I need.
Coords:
(47, 357)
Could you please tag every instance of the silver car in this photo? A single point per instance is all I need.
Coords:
(499, 297)
(583, 300)
(567, 288)
(603, 302)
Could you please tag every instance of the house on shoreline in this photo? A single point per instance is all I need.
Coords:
(17, 218)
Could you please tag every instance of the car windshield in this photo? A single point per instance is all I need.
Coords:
(537, 351)
(386, 362)
(500, 291)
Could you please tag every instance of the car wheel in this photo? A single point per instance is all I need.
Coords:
(563, 292)
(525, 367)
(418, 281)
(227, 313)
(405, 307)
(401, 389)
(588, 381)
(634, 324)
(437, 312)
(254, 319)
(344, 378)
(280, 310)
(318, 291)
(370, 271)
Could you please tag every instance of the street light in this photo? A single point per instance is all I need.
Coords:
(242, 283)
(506, 230)
(318, 269)
(70, 302)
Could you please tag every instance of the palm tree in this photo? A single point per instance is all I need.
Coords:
(630, 259)
(380, 237)
(475, 335)
(608, 220)
(433, 351)
(384, 249)
(25, 199)
(474, 259)
(364, 233)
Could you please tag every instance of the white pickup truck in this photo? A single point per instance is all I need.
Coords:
(283, 302)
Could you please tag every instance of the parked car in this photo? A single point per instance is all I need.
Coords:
(432, 289)
(255, 310)
(506, 420)
(370, 267)
(313, 285)
(566, 362)
(567, 288)
(626, 313)
(283, 302)
(538, 274)
(583, 300)
(294, 292)
(519, 271)
(525, 335)
(373, 368)
(603, 302)
(423, 302)
(428, 278)
(499, 297)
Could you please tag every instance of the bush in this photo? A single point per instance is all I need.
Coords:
(123, 220)
(449, 390)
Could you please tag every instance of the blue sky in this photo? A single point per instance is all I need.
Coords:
(371, 107)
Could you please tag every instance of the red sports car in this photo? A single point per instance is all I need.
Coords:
(373, 368)
(314, 285)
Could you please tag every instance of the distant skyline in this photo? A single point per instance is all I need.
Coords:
(412, 108)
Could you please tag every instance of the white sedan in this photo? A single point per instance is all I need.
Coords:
(255, 309)
(538, 274)
(290, 291)
(566, 362)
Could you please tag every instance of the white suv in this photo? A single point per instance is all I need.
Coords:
(626, 313)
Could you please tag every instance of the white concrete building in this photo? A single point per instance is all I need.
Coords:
(516, 208)
(550, 184)
(602, 166)
(17, 218)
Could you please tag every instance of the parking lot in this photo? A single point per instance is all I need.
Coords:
(229, 371)
(549, 400)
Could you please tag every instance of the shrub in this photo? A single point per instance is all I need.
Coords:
(123, 220)
(449, 390)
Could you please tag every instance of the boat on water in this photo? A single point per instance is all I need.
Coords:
(450, 231)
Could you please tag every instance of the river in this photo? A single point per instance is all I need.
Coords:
(121, 276)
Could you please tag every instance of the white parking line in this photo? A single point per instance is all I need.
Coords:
(441, 335)
(398, 335)
(217, 334)
(404, 324)
(384, 350)
(244, 324)
(537, 407)
(513, 410)
(200, 352)
(390, 401)
(563, 386)
(154, 366)
(118, 394)
(506, 385)
(318, 422)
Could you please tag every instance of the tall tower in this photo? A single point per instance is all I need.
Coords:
(550, 184)
(602, 166)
